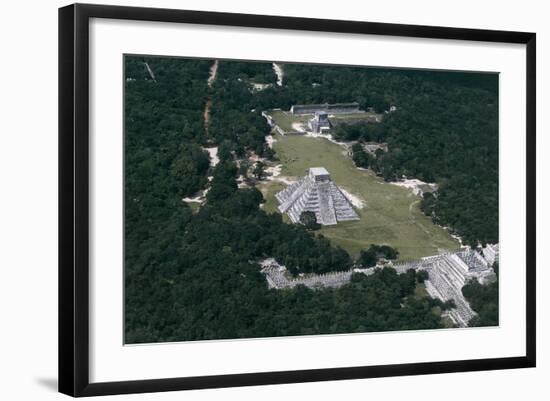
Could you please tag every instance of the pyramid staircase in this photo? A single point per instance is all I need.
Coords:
(316, 193)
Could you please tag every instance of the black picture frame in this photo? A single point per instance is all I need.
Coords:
(74, 199)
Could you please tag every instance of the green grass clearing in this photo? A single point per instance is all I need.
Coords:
(391, 214)
(268, 190)
(285, 119)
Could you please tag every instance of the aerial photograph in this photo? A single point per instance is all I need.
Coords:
(268, 199)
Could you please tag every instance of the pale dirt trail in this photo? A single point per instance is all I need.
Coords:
(279, 72)
(210, 81)
(150, 71)
(206, 114)
(413, 218)
(213, 73)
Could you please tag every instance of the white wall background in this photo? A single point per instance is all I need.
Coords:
(28, 199)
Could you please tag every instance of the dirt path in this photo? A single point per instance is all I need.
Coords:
(208, 105)
(213, 73)
(206, 114)
(413, 219)
(279, 72)
(150, 71)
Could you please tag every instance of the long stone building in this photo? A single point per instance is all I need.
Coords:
(334, 108)
(448, 273)
(316, 193)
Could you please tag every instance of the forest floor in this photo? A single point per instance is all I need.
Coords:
(391, 214)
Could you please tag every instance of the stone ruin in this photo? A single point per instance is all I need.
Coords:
(317, 193)
(319, 123)
(278, 278)
(334, 108)
(490, 253)
(448, 273)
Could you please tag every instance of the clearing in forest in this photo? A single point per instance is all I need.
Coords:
(390, 215)
(287, 121)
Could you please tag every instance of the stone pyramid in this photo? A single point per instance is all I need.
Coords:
(317, 193)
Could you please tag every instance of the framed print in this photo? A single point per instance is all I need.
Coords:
(250, 199)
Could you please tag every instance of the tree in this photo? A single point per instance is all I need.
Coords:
(368, 258)
(386, 251)
(484, 300)
(361, 158)
(258, 171)
(379, 103)
(427, 205)
(449, 304)
(244, 165)
(309, 220)
(495, 268)
(422, 275)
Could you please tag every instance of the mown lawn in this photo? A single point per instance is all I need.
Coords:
(284, 119)
(391, 214)
(269, 189)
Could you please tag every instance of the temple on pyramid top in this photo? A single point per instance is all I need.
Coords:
(319, 174)
(317, 193)
(320, 122)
